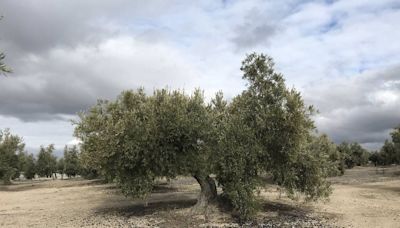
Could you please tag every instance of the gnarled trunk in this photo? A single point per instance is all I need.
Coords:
(208, 192)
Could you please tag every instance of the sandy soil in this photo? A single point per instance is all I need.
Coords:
(366, 197)
(362, 197)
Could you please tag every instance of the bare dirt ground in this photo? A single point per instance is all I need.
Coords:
(362, 197)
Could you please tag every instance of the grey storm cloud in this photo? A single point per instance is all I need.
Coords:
(30, 26)
(364, 108)
(66, 56)
(66, 81)
(249, 35)
(257, 28)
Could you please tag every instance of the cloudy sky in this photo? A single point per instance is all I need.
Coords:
(344, 56)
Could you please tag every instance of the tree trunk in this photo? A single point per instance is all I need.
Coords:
(208, 192)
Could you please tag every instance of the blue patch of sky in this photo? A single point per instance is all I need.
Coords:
(332, 24)
(366, 64)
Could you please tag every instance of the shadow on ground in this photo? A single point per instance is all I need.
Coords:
(140, 209)
(285, 209)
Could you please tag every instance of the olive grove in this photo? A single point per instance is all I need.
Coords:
(266, 130)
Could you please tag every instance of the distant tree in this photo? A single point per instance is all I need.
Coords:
(388, 153)
(354, 154)
(61, 167)
(71, 161)
(10, 145)
(46, 163)
(21, 163)
(395, 134)
(345, 151)
(359, 154)
(376, 158)
(29, 167)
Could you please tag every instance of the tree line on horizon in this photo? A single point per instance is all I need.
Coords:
(15, 161)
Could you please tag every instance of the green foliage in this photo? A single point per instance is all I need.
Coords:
(61, 166)
(238, 167)
(139, 137)
(268, 129)
(29, 167)
(10, 145)
(359, 154)
(327, 152)
(21, 163)
(354, 154)
(47, 162)
(71, 161)
(376, 158)
(390, 151)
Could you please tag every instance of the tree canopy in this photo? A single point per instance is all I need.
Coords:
(46, 162)
(354, 154)
(70, 161)
(29, 167)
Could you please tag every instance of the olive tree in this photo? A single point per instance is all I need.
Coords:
(21, 159)
(10, 145)
(267, 129)
(390, 151)
(354, 154)
(71, 161)
(336, 159)
(29, 167)
(61, 167)
(395, 135)
(46, 163)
